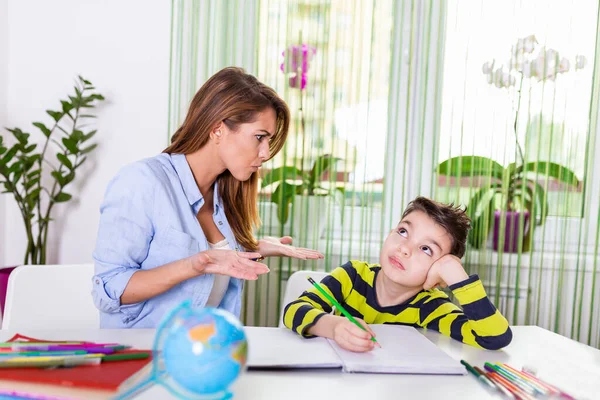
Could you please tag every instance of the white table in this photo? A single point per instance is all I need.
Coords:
(570, 365)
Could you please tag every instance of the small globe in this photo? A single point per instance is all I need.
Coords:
(202, 351)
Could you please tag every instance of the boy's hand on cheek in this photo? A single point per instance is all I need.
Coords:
(350, 337)
(446, 271)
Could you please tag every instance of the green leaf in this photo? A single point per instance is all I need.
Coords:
(56, 116)
(22, 137)
(10, 154)
(281, 174)
(29, 148)
(34, 195)
(480, 199)
(33, 173)
(66, 106)
(557, 171)
(87, 116)
(33, 158)
(89, 148)
(62, 197)
(88, 136)
(283, 197)
(64, 160)
(71, 145)
(31, 183)
(322, 165)
(17, 176)
(16, 166)
(68, 178)
(481, 225)
(76, 135)
(59, 178)
(43, 128)
(471, 166)
(88, 101)
(541, 203)
(83, 80)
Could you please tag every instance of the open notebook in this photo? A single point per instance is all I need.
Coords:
(404, 351)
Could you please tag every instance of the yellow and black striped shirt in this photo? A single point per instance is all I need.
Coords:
(479, 323)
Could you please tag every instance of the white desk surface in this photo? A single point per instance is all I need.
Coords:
(570, 365)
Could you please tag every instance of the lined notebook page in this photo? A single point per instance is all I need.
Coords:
(280, 348)
(403, 351)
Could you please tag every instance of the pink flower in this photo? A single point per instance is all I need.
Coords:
(296, 59)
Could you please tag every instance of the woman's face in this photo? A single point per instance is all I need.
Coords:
(244, 150)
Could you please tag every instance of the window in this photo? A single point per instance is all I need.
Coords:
(343, 109)
(478, 117)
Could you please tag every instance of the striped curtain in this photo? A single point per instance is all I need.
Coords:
(517, 144)
(330, 62)
(206, 36)
(394, 99)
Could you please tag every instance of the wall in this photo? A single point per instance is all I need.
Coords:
(3, 99)
(123, 48)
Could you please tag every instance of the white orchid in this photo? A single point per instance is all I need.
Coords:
(529, 43)
(529, 61)
(564, 65)
(488, 67)
(580, 62)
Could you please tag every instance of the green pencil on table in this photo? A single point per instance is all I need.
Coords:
(339, 307)
(125, 356)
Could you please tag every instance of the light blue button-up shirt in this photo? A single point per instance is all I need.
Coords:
(148, 219)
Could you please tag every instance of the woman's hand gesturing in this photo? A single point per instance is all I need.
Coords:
(228, 262)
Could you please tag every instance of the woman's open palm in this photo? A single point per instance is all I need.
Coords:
(272, 247)
(229, 262)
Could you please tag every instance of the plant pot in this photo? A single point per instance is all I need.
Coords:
(309, 218)
(4, 274)
(511, 229)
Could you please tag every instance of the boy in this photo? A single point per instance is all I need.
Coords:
(422, 252)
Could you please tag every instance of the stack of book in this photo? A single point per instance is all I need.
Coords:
(38, 369)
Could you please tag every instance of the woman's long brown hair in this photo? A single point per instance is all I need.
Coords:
(233, 97)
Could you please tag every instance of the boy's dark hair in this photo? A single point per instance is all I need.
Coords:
(453, 219)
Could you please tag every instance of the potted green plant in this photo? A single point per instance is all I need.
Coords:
(513, 199)
(303, 189)
(511, 193)
(23, 170)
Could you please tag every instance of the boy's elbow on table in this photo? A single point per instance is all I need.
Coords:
(495, 342)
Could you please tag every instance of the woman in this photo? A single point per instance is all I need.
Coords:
(180, 225)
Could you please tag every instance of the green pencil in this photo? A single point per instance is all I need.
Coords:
(339, 307)
(126, 356)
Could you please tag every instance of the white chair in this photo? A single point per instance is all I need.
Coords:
(296, 284)
(50, 297)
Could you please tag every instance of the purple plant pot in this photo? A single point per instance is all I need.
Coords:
(511, 230)
(4, 274)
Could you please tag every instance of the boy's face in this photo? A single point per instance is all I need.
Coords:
(412, 247)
